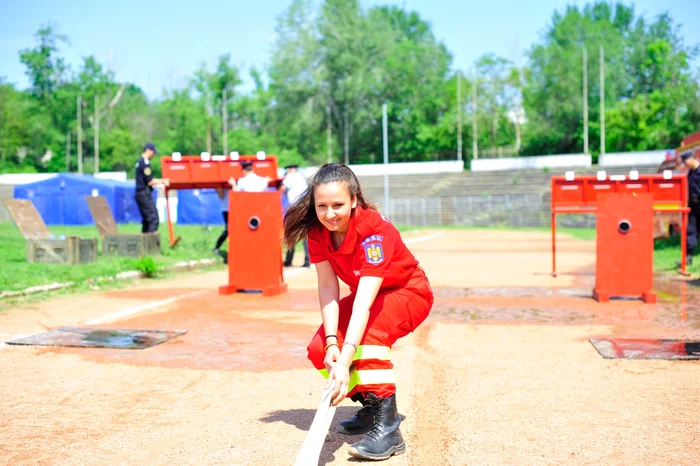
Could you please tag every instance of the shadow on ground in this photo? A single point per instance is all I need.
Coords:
(302, 419)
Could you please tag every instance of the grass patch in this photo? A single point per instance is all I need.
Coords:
(667, 251)
(16, 274)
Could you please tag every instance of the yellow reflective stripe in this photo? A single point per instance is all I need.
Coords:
(366, 377)
(370, 377)
(382, 353)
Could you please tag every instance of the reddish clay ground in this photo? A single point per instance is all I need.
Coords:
(501, 373)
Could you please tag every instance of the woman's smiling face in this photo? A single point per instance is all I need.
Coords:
(334, 205)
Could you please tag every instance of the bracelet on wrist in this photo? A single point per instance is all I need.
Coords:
(329, 336)
(351, 344)
(329, 345)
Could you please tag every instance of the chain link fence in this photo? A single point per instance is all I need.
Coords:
(514, 210)
(512, 198)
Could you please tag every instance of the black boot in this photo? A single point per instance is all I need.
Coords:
(384, 440)
(361, 423)
(288, 258)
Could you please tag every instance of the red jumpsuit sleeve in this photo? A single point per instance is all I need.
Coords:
(377, 250)
(316, 250)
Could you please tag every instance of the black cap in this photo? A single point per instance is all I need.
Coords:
(246, 165)
(150, 145)
(291, 166)
(686, 156)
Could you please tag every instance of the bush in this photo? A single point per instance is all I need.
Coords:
(147, 265)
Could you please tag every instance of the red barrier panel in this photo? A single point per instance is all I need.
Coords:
(584, 191)
(255, 243)
(625, 247)
(195, 172)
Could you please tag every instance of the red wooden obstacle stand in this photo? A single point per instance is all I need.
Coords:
(255, 219)
(205, 171)
(584, 194)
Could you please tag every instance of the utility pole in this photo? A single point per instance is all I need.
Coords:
(329, 141)
(475, 143)
(385, 137)
(347, 138)
(68, 151)
(585, 101)
(602, 101)
(210, 111)
(224, 115)
(97, 136)
(459, 115)
(80, 137)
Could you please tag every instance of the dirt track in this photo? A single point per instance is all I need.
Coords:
(501, 373)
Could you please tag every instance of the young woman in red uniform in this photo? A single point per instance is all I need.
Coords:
(389, 297)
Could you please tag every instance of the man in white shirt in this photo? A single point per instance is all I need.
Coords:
(294, 185)
(250, 182)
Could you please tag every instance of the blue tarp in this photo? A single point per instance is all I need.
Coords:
(203, 207)
(61, 200)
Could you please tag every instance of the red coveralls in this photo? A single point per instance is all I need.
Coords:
(372, 247)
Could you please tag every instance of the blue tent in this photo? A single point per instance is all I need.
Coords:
(203, 207)
(61, 200)
(198, 207)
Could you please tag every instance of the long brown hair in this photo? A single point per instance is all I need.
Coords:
(301, 216)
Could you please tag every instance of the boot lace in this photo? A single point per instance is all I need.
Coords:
(378, 418)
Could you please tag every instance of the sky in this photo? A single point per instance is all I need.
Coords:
(158, 45)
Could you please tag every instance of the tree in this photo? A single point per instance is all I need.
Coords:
(640, 59)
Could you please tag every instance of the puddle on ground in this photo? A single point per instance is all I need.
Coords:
(678, 306)
(99, 338)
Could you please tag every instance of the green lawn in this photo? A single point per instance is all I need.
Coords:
(16, 274)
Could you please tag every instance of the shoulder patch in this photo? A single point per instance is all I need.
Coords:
(374, 253)
(147, 171)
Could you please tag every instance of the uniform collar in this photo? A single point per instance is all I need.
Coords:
(145, 160)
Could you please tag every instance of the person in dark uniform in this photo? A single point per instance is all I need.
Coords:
(692, 163)
(144, 187)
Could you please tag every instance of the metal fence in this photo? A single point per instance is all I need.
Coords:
(514, 210)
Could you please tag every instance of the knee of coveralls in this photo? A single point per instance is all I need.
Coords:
(394, 314)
